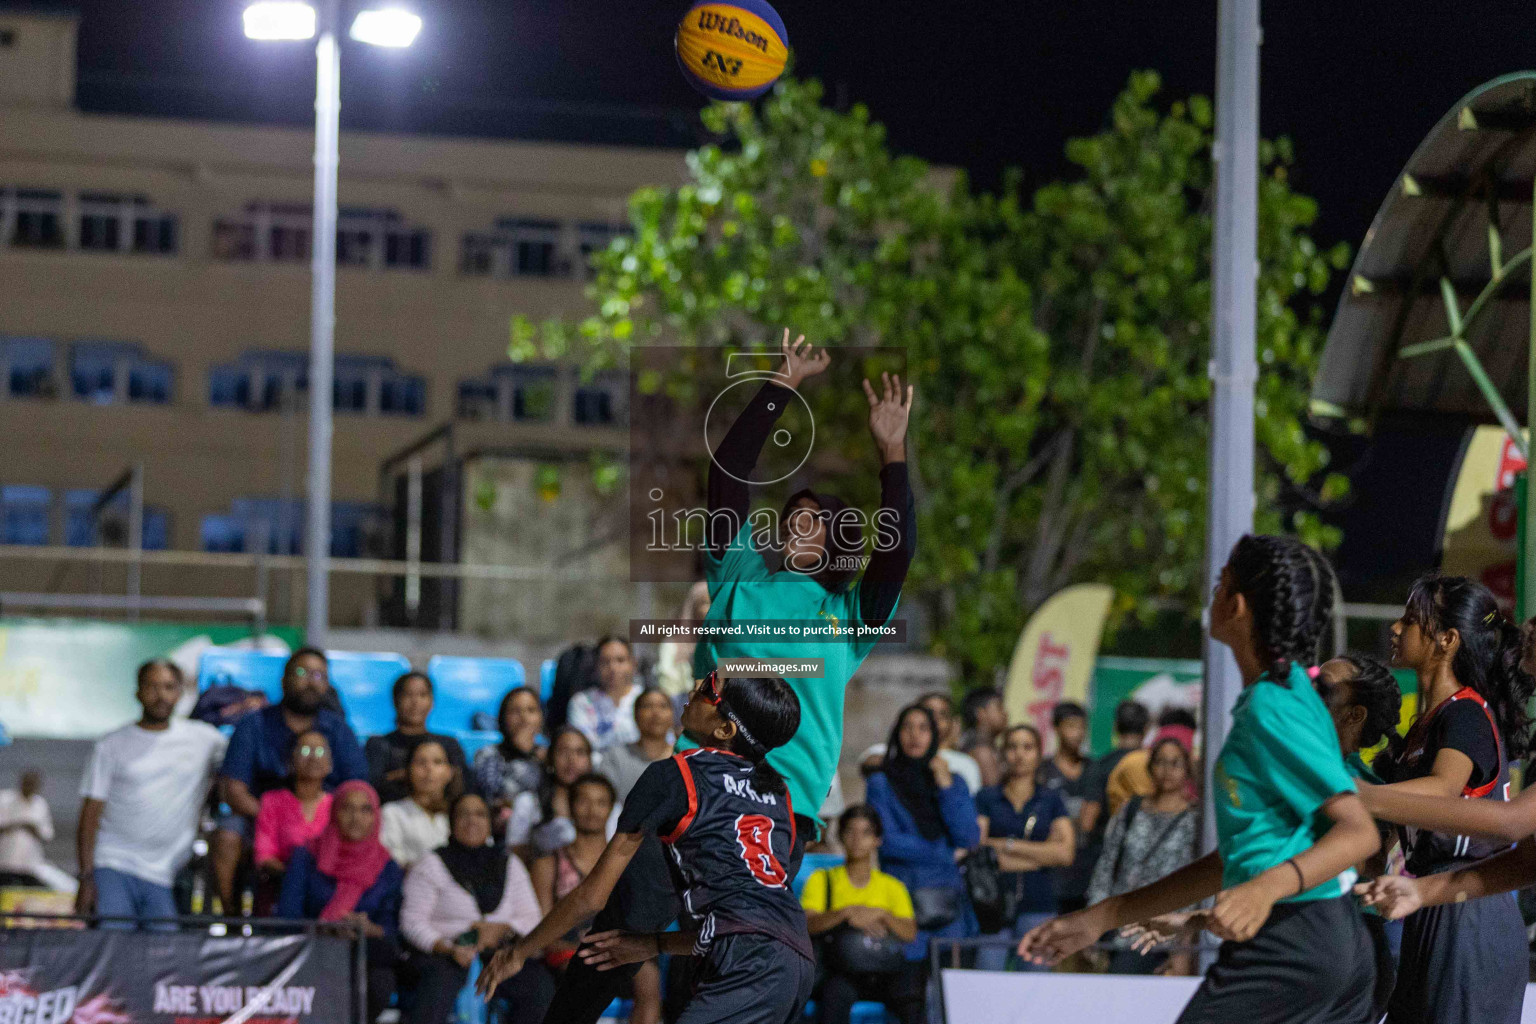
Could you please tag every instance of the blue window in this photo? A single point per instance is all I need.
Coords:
(24, 515)
(109, 373)
(109, 525)
(601, 401)
(240, 529)
(260, 382)
(26, 366)
(521, 393)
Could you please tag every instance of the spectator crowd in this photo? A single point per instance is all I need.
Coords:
(970, 827)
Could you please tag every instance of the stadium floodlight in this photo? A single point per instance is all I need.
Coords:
(389, 26)
(280, 20)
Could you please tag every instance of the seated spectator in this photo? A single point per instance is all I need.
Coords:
(1029, 828)
(1148, 838)
(605, 714)
(593, 801)
(570, 757)
(510, 773)
(460, 902)
(622, 765)
(25, 825)
(414, 827)
(983, 719)
(345, 877)
(389, 755)
(141, 800)
(1131, 776)
(260, 755)
(858, 897)
(929, 822)
(294, 814)
(960, 764)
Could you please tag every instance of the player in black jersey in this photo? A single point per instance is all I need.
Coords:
(724, 815)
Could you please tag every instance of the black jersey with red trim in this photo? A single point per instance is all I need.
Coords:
(1463, 722)
(729, 845)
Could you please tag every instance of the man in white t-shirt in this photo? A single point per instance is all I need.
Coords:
(144, 792)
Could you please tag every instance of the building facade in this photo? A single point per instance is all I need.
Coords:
(155, 303)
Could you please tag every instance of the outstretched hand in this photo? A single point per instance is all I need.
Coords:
(802, 360)
(1182, 928)
(1393, 896)
(1060, 937)
(889, 410)
(507, 963)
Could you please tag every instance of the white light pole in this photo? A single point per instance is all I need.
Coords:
(296, 20)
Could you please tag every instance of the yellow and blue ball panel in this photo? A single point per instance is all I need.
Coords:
(732, 50)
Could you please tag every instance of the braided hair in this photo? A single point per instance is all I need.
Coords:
(1374, 688)
(1488, 658)
(767, 715)
(1290, 589)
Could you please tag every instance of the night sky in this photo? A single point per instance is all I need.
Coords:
(984, 86)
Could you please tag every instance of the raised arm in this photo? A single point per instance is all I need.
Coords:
(735, 457)
(896, 519)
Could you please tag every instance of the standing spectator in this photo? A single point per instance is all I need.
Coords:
(1132, 777)
(1067, 773)
(570, 757)
(674, 658)
(605, 714)
(1131, 722)
(460, 902)
(984, 720)
(1148, 838)
(1030, 829)
(654, 719)
(25, 825)
(296, 813)
(960, 764)
(414, 827)
(261, 751)
(388, 756)
(510, 773)
(345, 876)
(142, 796)
(929, 821)
(861, 898)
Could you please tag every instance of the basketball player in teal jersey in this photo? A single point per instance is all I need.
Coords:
(817, 584)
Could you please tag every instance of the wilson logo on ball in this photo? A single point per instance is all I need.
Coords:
(732, 50)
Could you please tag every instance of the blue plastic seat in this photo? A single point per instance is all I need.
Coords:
(365, 683)
(546, 679)
(465, 686)
(619, 1009)
(250, 670)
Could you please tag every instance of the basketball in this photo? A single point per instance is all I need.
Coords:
(734, 50)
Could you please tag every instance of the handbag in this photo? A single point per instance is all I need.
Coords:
(935, 907)
(846, 950)
(995, 902)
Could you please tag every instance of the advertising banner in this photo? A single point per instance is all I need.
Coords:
(53, 976)
(73, 679)
(1156, 683)
(1054, 659)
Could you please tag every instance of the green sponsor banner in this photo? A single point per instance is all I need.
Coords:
(73, 678)
(1161, 682)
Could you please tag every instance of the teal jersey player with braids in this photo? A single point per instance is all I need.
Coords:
(1290, 826)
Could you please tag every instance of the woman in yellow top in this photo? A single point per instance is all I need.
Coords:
(861, 897)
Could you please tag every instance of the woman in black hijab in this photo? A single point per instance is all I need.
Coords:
(929, 822)
(460, 901)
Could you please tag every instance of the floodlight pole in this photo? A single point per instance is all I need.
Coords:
(322, 322)
(1233, 369)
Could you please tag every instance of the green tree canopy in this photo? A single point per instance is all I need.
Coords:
(1058, 342)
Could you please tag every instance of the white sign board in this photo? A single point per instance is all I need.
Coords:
(993, 997)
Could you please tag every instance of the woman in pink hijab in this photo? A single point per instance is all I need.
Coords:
(345, 876)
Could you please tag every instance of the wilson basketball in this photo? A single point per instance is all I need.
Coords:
(732, 50)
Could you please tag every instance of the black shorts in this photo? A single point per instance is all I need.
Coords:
(1311, 963)
(1462, 963)
(748, 978)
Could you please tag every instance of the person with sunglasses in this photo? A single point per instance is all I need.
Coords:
(260, 757)
(728, 818)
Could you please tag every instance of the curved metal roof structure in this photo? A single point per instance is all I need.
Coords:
(1456, 215)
